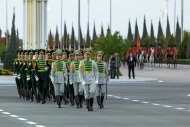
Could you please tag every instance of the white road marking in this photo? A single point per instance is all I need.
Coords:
(110, 95)
(14, 116)
(188, 95)
(40, 126)
(180, 108)
(6, 113)
(135, 100)
(126, 98)
(160, 81)
(1, 110)
(29, 122)
(22, 119)
(117, 97)
(155, 104)
(188, 110)
(167, 106)
(144, 102)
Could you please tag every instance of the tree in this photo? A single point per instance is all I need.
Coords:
(106, 44)
(102, 31)
(65, 35)
(178, 34)
(17, 38)
(160, 35)
(3, 51)
(183, 46)
(0, 33)
(81, 38)
(13, 47)
(188, 49)
(145, 33)
(152, 38)
(50, 40)
(73, 37)
(130, 35)
(57, 45)
(168, 33)
(94, 35)
(170, 40)
(88, 40)
(136, 32)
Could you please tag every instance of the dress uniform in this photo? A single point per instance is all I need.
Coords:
(16, 72)
(42, 75)
(59, 77)
(29, 75)
(102, 79)
(88, 73)
(75, 79)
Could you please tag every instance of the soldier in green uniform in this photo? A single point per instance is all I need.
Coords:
(29, 75)
(75, 79)
(88, 73)
(16, 72)
(102, 78)
(65, 59)
(59, 77)
(42, 75)
(70, 84)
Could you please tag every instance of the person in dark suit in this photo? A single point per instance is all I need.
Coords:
(131, 62)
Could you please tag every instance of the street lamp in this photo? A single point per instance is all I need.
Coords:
(79, 24)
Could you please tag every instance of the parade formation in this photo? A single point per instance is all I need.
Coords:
(61, 76)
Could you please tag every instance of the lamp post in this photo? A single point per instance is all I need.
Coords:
(182, 12)
(79, 24)
(174, 16)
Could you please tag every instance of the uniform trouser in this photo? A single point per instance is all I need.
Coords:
(29, 87)
(42, 85)
(34, 85)
(100, 89)
(59, 89)
(133, 71)
(21, 87)
(89, 91)
(24, 83)
(78, 89)
(113, 71)
(18, 86)
(51, 87)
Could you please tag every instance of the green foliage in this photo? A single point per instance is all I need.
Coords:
(130, 35)
(178, 34)
(3, 51)
(136, 33)
(180, 61)
(145, 33)
(183, 46)
(188, 49)
(112, 44)
(168, 33)
(5, 72)
(152, 38)
(146, 41)
(170, 40)
(160, 36)
(13, 47)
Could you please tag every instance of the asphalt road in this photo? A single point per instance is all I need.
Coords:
(129, 105)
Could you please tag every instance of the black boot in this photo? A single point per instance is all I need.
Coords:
(58, 99)
(91, 104)
(88, 104)
(102, 101)
(77, 101)
(99, 101)
(71, 99)
(80, 100)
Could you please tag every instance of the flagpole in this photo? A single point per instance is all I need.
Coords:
(182, 6)
(110, 15)
(7, 23)
(61, 23)
(174, 16)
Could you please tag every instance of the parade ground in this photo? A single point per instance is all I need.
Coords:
(157, 97)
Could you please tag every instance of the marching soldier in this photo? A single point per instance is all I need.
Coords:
(59, 77)
(89, 76)
(29, 75)
(70, 84)
(16, 72)
(75, 79)
(42, 76)
(102, 79)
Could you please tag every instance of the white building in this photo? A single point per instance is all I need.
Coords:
(35, 24)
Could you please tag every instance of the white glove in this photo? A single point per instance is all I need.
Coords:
(18, 77)
(96, 82)
(46, 68)
(28, 78)
(52, 79)
(36, 77)
(15, 75)
(83, 82)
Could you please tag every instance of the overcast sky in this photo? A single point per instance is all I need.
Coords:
(123, 11)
